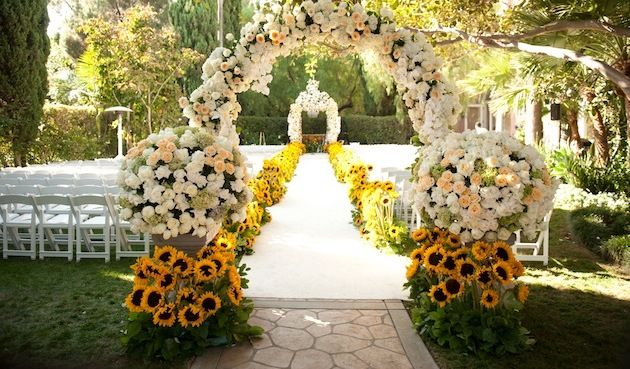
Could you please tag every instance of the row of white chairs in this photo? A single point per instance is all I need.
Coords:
(62, 181)
(35, 189)
(68, 226)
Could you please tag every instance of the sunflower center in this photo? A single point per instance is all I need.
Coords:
(452, 286)
(181, 264)
(502, 254)
(167, 280)
(165, 257)
(137, 297)
(467, 269)
(502, 273)
(209, 304)
(435, 258)
(154, 299)
(190, 315)
(489, 298)
(449, 263)
(484, 277)
(439, 295)
(165, 315)
(217, 263)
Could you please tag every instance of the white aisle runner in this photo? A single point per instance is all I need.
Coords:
(310, 249)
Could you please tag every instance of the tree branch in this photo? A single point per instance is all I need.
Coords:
(512, 43)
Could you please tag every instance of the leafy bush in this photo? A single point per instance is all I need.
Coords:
(355, 128)
(584, 172)
(595, 225)
(571, 198)
(617, 249)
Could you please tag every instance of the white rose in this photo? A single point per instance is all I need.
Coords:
(147, 212)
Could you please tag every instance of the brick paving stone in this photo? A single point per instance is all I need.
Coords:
(368, 320)
(392, 344)
(374, 312)
(311, 359)
(265, 324)
(297, 319)
(235, 355)
(336, 343)
(349, 361)
(253, 365)
(353, 330)
(338, 316)
(383, 331)
(379, 358)
(387, 320)
(269, 314)
(291, 338)
(318, 330)
(274, 356)
(261, 342)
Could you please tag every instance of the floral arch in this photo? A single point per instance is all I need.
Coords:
(312, 100)
(280, 29)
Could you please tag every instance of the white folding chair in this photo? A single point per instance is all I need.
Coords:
(127, 243)
(58, 229)
(534, 251)
(14, 226)
(88, 182)
(97, 244)
(112, 190)
(54, 181)
(32, 181)
(59, 191)
(91, 190)
(23, 189)
(12, 181)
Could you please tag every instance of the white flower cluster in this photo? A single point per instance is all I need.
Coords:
(278, 29)
(312, 100)
(183, 180)
(483, 186)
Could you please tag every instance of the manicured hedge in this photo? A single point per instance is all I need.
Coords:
(354, 128)
(594, 226)
(617, 249)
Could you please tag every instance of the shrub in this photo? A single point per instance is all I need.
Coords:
(584, 172)
(275, 129)
(571, 198)
(595, 225)
(617, 249)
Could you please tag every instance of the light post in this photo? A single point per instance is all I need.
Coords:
(119, 110)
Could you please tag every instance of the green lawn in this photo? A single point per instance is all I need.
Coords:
(578, 311)
(60, 314)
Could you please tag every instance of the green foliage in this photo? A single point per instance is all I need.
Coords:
(137, 63)
(463, 329)
(617, 249)
(71, 133)
(584, 171)
(250, 127)
(376, 130)
(593, 226)
(24, 48)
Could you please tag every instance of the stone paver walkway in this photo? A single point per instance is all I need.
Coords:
(326, 334)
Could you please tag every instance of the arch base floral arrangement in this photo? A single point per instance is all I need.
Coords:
(467, 298)
(312, 100)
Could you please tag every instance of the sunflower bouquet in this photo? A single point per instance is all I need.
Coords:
(246, 231)
(467, 297)
(179, 304)
(373, 201)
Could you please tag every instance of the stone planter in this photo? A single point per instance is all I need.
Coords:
(185, 242)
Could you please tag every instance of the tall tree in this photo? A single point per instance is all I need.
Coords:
(24, 48)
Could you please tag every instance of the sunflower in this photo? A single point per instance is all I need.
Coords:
(418, 254)
(166, 280)
(480, 250)
(433, 257)
(209, 303)
(522, 293)
(489, 299)
(249, 242)
(502, 251)
(484, 277)
(190, 315)
(503, 272)
(235, 295)
(138, 270)
(182, 264)
(453, 287)
(220, 263)
(205, 270)
(460, 253)
(234, 277)
(449, 263)
(385, 200)
(393, 231)
(452, 240)
(134, 299)
(420, 235)
(165, 254)
(438, 294)
(517, 268)
(466, 269)
(149, 268)
(164, 316)
(412, 269)
(152, 298)
(186, 295)
(205, 252)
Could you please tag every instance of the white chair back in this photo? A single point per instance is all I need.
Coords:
(89, 190)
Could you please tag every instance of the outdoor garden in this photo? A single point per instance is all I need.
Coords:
(233, 184)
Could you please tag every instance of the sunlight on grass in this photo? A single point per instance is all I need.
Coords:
(118, 275)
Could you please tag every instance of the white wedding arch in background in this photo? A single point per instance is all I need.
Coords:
(313, 101)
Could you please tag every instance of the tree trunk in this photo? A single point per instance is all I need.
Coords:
(149, 123)
(575, 141)
(535, 121)
(601, 137)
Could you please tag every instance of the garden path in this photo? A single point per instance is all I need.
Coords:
(310, 249)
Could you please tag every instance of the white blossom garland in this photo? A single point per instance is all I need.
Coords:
(312, 100)
(279, 29)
